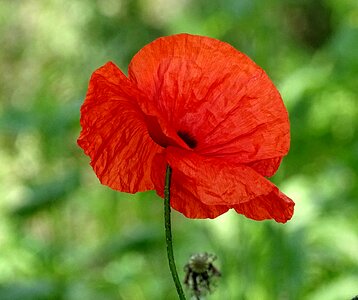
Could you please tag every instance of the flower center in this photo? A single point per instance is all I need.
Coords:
(187, 138)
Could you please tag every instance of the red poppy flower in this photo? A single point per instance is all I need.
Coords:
(200, 106)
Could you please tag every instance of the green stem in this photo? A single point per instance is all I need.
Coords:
(168, 234)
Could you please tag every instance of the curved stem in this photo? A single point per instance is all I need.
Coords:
(168, 234)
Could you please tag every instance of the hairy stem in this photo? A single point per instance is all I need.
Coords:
(168, 234)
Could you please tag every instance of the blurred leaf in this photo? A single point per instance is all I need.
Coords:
(31, 290)
(45, 195)
(138, 239)
(344, 287)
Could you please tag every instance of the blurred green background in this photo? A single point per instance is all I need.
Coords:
(65, 236)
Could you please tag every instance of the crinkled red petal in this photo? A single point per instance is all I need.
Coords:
(114, 133)
(200, 183)
(181, 196)
(213, 92)
(266, 167)
(275, 205)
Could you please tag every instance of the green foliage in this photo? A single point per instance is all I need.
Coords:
(65, 236)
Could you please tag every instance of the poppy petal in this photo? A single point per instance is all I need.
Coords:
(275, 205)
(258, 131)
(213, 182)
(266, 167)
(218, 96)
(181, 196)
(114, 133)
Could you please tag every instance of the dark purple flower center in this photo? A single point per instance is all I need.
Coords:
(187, 138)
